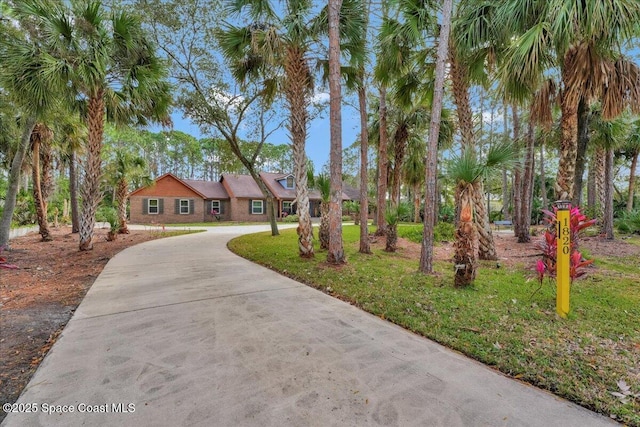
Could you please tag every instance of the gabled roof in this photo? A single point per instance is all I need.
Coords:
(271, 179)
(210, 189)
(164, 177)
(241, 186)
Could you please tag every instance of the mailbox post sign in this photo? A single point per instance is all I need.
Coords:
(563, 256)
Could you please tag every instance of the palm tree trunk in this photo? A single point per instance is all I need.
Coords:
(335, 254)
(591, 186)
(391, 244)
(14, 180)
(73, 193)
(41, 206)
(543, 179)
(527, 186)
(569, 140)
(430, 198)
(632, 180)
(365, 247)
(296, 71)
(607, 224)
(584, 117)
(383, 164)
(600, 179)
(122, 192)
(464, 253)
(416, 203)
(517, 177)
(486, 244)
(90, 190)
(324, 233)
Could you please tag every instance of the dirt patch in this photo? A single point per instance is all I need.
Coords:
(38, 299)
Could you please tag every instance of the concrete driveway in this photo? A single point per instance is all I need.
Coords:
(181, 332)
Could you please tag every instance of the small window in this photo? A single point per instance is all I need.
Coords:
(257, 207)
(290, 182)
(153, 206)
(184, 207)
(215, 207)
(286, 207)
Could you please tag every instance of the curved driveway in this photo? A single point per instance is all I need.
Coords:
(181, 332)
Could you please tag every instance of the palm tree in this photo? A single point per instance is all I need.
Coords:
(126, 167)
(583, 40)
(28, 91)
(273, 42)
(41, 138)
(607, 136)
(105, 59)
(467, 170)
(632, 150)
(426, 252)
(277, 43)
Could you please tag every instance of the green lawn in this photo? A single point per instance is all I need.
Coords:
(498, 321)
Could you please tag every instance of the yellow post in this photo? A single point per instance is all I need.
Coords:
(563, 256)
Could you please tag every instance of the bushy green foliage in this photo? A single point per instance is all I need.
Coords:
(25, 211)
(108, 214)
(629, 222)
(444, 232)
(291, 218)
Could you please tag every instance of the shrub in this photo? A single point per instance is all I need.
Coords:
(291, 218)
(547, 265)
(629, 222)
(444, 232)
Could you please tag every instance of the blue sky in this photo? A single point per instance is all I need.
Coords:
(317, 137)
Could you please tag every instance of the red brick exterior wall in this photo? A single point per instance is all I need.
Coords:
(240, 211)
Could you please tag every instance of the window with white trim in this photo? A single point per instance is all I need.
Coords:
(257, 207)
(289, 182)
(184, 206)
(215, 207)
(286, 207)
(153, 207)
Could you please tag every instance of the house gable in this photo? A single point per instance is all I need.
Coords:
(168, 185)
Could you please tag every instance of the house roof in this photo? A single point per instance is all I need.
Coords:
(242, 186)
(352, 192)
(210, 189)
(271, 179)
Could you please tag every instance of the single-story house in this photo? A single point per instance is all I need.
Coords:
(234, 198)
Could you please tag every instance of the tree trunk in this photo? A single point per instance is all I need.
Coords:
(90, 190)
(383, 164)
(335, 255)
(584, 118)
(527, 186)
(632, 180)
(416, 204)
(464, 254)
(591, 186)
(324, 232)
(486, 244)
(122, 193)
(39, 139)
(391, 238)
(569, 140)
(543, 179)
(296, 88)
(600, 179)
(365, 247)
(517, 177)
(73, 193)
(607, 223)
(399, 149)
(460, 88)
(14, 181)
(430, 199)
